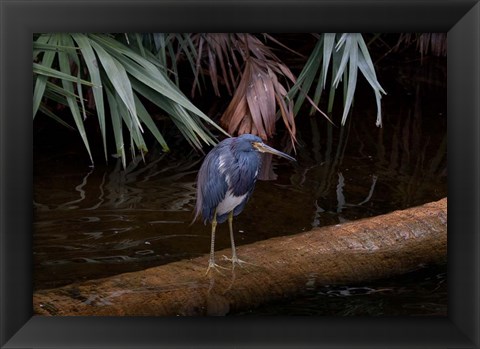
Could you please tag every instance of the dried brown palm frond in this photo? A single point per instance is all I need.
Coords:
(219, 50)
(253, 108)
(435, 43)
(255, 76)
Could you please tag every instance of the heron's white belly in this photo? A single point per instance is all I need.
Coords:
(229, 203)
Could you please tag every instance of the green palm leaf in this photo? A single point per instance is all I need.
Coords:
(349, 54)
(117, 75)
(94, 72)
(66, 64)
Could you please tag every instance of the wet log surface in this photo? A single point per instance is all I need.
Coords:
(358, 251)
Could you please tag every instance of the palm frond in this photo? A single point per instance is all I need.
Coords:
(253, 108)
(219, 50)
(99, 62)
(348, 53)
(249, 70)
(90, 60)
(435, 43)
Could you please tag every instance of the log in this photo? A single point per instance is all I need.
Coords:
(357, 251)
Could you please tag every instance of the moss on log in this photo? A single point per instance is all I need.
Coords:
(362, 250)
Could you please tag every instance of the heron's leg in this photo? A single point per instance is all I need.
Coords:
(211, 261)
(212, 242)
(234, 258)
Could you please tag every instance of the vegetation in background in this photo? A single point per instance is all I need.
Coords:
(348, 54)
(125, 80)
(255, 76)
(65, 64)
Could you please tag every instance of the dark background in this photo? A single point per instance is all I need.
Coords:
(20, 19)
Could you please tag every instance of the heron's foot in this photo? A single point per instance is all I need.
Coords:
(214, 266)
(236, 260)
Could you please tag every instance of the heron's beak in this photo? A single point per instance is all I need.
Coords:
(263, 148)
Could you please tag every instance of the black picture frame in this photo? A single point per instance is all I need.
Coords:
(19, 19)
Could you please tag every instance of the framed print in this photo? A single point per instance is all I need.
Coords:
(21, 326)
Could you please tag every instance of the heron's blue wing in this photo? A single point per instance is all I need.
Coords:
(244, 176)
(211, 185)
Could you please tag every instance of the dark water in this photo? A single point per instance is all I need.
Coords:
(419, 293)
(90, 223)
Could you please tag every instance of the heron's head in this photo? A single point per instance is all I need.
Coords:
(250, 142)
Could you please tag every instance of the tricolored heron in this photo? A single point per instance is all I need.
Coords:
(226, 181)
